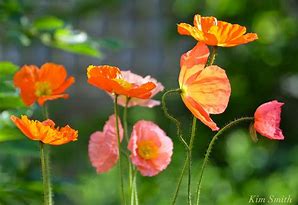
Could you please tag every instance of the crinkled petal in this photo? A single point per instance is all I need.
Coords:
(267, 120)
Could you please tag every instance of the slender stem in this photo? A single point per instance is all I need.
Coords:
(45, 170)
(125, 119)
(180, 181)
(180, 137)
(45, 166)
(130, 166)
(168, 115)
(215, 137)
(212, 56)
(119, 148)
(136, 188)
(192, 137)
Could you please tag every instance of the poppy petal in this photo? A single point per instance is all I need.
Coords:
(211, 89)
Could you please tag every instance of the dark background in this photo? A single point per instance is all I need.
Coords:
(141, 36)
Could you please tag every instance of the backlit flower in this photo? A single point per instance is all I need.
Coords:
(139, 80)
(216, 33)
(45, 131)
(111, 80)
(151, 149)
(103, 146)
(47, 83)
(204, 90)
(267, 120)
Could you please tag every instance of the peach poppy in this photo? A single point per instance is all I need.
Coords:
(103, 146)
(151, 149)
(267, 120)
(45, 131)
(111, 80)
(139, 80)
(216, 33)
(204, 90)
(47, 83)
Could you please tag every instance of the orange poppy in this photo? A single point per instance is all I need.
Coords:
(110, 79)
(216, 33)
(204, 90)
(45, 131)
(47, 83)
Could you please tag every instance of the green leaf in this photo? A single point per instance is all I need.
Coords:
(48, 23)
(81, 48)
(9, 133)
(7, 68)
(10, 100)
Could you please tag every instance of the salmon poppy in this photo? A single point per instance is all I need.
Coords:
(103, 146)
(267, 120)
(45, 131)
(216, 33)
(204, 90)
(111, 80)
(151, 149)
(47, 83)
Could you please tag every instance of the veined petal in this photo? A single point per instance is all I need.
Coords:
(197, 55)
(211, 89)
(198, 111)
(41, 100)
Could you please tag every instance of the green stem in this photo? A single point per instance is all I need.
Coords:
(172, 118)
(130, 166)
(180, 137)
(180, 181)
(45, 167)
(119, 148)
(192, 137)
(125, 119)
(215, 137)
(212, 56)
(45, 170)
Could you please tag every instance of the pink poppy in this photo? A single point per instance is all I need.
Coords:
(103, 146)
(267, 120)
(151, 149)
(139, 80)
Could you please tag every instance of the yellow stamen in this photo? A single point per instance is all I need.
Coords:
(147, 150)
(43, 89)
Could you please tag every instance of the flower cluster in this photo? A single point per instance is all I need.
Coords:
(203, 86)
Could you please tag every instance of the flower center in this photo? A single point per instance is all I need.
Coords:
(42, 89)
(147, 150)
(123, 83)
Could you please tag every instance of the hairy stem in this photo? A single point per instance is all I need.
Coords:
(208, 152)
(119, 148)
(192, 137)
(45, 167)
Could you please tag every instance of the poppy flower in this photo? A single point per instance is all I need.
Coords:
(139, 80)
(216, 33)
(267, 120)
(45, 131)
(151, 149)
(103, 146)
(47, 83)
(111, 80)
(204, 90)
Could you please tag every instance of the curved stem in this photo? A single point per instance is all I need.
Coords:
(119, 148)
(172, 118)
(215, 137)
(45, 166)
(192, 137)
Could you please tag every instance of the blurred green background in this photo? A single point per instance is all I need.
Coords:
(141, 36)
